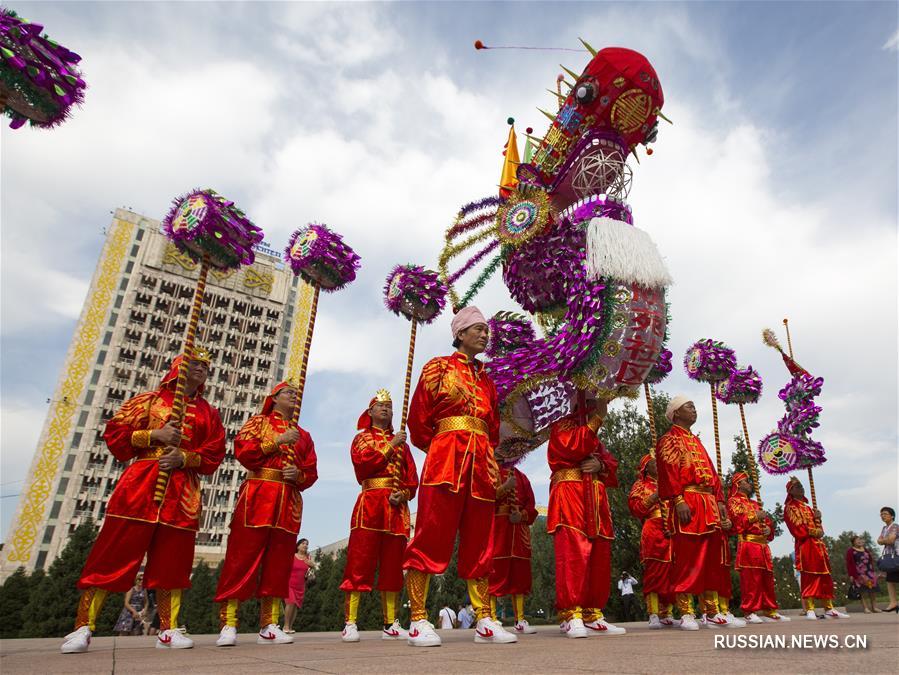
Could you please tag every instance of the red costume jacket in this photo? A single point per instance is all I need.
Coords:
(453, 414)
(687, 472)
(381, 469)
(513, 540)
(752, 549)
(578, 500)
(127, 436)
(654, 545)
(811, 553)
(265, 499)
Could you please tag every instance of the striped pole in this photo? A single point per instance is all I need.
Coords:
(301, 380)
(652, 419)
(715, 425)
(178, 405)
(753, 467)
(404, 413)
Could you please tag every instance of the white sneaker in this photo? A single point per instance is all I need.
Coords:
(775, 617)
(574, 628)
(273, 635)
(733, 621)
(77, 641)
(524, 628)
(173, 639)
(835, 614)
(395, 632)
(688, 622)
(422, 634)
(489, 631)
(754, 618)
(717, 621)
(654, 623)
(603, 627)
(350, 633)
(811, 616)
(227, 637)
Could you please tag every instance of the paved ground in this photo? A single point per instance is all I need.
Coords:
(640, 651)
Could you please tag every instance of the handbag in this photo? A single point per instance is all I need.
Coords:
(889, 562)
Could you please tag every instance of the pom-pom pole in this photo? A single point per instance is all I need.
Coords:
(162, 478)
(307, 345)
(407, 386)
(811, 477)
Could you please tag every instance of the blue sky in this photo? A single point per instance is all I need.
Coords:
(774, 193)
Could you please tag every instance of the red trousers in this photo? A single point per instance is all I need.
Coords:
(441, 514)
(757, 587)
(816, 586)
(257, 563)
(697, 563)
(117, 553)
(367, 550)
(510, 576)
(656, 577)
(583, 570)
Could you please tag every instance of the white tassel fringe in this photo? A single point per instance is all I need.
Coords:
(616, 250)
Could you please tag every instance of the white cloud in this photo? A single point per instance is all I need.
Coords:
(893, 42)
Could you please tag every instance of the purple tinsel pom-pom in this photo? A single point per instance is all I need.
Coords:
(743, 385)
(709, 361)
(508, 331)
(794, 429)
(41, 81)
(321, 257)
(203, 223)
(414, 292)
(661, 369)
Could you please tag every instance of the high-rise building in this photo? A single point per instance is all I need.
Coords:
(131, 327)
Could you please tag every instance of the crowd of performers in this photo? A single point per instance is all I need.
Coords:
(466, 489)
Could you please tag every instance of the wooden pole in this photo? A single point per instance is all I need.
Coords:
(178, 405)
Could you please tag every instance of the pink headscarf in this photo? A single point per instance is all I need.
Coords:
(466, 318)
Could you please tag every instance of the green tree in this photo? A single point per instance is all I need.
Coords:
(198, 611)
(14, 596)
(539, 606)
(53, 601)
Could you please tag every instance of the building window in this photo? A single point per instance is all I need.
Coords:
(134, 250)
(101, 358)
(140, 234)
(48, 534)
(41, 559)
(70, 462)
(95, 377)
(76, 441)
(124, 284)
(129, 267)
(89, 397)
(54, 511)
(83, 419)
(107, 338)
(113, 317)
(118, 302)
(63, 484)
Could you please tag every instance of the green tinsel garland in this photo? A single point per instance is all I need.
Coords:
(481, 280)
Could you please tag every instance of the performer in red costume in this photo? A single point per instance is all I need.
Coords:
(379, 528)
(280, 461)
(724, 582)
(136, 523)
(755, 529)
(812, 560)
(689, 483)
(580, 520)
(454, 418)
(655, 544)
(516, 510)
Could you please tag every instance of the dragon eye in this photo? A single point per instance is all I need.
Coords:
(586, 91)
